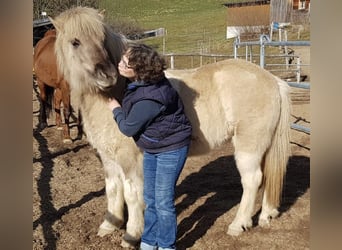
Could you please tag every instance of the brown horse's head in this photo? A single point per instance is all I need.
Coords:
(87, 51)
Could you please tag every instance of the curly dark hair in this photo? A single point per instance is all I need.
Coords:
(146, 62)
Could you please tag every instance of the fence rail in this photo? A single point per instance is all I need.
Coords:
(292, 61)
(263, 42)
(196, 59)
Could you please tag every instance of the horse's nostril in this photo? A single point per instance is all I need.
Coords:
(99, 67)
(106, 71)
(100, 70)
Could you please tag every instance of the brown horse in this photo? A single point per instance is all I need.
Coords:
(52, 86)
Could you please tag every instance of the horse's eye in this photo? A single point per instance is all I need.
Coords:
(75, 42)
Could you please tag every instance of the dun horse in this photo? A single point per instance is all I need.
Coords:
(52, 86)
(229, 99)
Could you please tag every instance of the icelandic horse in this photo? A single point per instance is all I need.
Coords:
(228, 99)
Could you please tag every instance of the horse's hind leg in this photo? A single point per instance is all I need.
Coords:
(248, 165)
(114, 217)
(268, 212)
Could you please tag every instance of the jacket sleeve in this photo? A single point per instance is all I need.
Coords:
(141, 114)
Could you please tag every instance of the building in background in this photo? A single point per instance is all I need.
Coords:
(249, 18)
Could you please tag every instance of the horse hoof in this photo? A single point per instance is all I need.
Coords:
(105, 228)
(265, 218)
(104, 231)
(264, 222)
(129, 241)
(234, 231)
(67, 141)
(127, 246)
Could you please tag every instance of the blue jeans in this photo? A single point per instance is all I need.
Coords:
(161, 172)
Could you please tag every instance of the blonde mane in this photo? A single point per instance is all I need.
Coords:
(82, 21)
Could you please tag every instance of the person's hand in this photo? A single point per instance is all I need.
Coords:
(113, 103)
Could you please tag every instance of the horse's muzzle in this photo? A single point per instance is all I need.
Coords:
(106, 71)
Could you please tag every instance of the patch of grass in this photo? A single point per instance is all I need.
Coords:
(191, 26)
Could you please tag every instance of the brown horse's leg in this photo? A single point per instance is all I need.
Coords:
(45, 103)
(57, 102)
(65, 92)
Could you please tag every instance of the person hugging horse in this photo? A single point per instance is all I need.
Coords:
(153, 114)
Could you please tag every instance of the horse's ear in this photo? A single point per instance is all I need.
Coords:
(55, 24)
(102, 13)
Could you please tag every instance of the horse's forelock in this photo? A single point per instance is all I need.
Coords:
(82, 22)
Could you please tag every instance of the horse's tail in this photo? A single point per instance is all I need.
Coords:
(277, 156)
(49, 92)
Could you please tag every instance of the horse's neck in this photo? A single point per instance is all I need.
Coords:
(118, 90)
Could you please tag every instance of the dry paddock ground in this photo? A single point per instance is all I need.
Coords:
(69, 199)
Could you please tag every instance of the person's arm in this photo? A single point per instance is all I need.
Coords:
(141, 113)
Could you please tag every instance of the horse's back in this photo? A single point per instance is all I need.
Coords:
(50, 33)
(237, 70)
(45, 46)
(231, 80)
(235, 95)
(44, 59)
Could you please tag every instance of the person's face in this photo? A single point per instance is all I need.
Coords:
(124, 68)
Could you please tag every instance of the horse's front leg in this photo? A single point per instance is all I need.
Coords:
(57, 99)
(248, 165)
(79, 125)
(43, 104)
(65, 98)
(66, 125)
(133, 193)
(114, 217)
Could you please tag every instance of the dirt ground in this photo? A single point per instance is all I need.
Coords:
(69, 198)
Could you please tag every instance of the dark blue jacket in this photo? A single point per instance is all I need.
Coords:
(170, 129)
